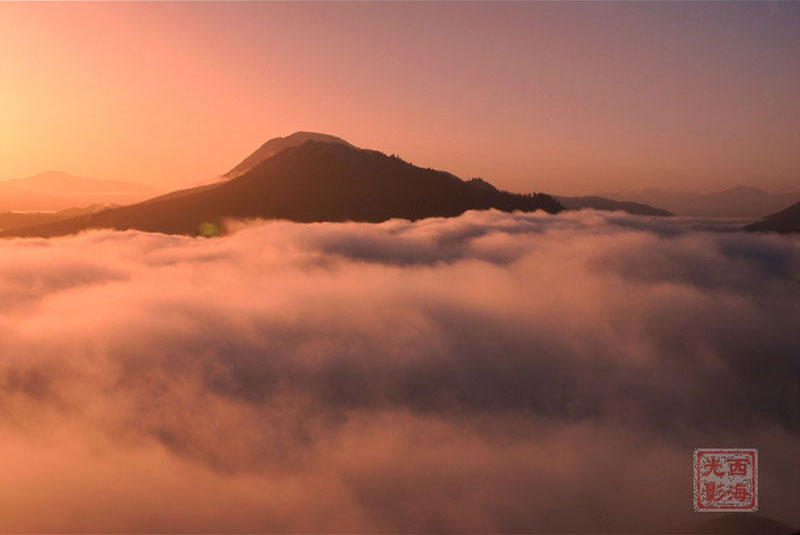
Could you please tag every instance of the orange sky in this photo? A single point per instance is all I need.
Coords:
(566, 98)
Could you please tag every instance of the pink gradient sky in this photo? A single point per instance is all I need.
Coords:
(565, 98)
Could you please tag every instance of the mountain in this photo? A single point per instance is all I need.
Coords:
(602, 203)
(276, 145)
(316, 181)
(785, 221)
(16, 220)
(56, 190)
(741, 201)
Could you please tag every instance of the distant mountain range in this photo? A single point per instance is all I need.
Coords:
(56, 190)
(742, 201)
(313, 181)
(603, 203)
(787, 220)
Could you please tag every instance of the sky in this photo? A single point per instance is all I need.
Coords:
(567, 98)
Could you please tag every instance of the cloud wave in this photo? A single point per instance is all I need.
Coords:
(492, 372)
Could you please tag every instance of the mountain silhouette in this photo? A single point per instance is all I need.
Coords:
(785, 221)
(57, 190)
(602, 203)
(316, 181)
(276, 145)
(741, 201)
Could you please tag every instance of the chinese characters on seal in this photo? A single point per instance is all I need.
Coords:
(725, 479)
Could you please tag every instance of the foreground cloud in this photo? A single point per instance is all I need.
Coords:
(492, 372)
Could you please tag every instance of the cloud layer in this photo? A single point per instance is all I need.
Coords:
(492, 372)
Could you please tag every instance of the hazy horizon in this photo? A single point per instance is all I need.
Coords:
(569, 98)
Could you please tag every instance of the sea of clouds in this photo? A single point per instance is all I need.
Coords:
(491, 372)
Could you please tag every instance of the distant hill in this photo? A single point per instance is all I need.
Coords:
(785, 221)
(742, 201)
(316, 181)
(276, 145)
(602, 203)
(56, 190)
(16, 220)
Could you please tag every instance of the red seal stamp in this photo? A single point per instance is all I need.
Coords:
(725, 479)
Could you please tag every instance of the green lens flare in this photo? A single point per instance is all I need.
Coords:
(208, 229)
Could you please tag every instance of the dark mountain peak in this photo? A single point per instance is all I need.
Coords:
(320, 146)
(278, 144)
